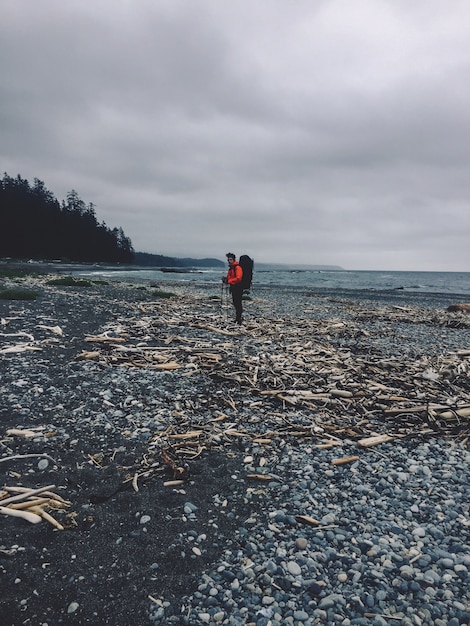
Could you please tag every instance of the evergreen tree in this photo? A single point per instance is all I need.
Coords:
(34, 225)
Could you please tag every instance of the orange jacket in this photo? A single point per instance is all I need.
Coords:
(234, 274)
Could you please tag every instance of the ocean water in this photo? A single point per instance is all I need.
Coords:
(446, 284)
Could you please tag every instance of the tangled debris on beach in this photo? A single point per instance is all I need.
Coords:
(348, 391)
(125, 408)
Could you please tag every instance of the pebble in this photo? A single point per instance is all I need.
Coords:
(301, 543)
(375, 558)
(294, 568)
(73, 606)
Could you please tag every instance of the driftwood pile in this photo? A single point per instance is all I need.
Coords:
(291, 377)
(32, 505)
(295, 377)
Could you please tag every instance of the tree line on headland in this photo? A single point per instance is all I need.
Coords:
(35, 225)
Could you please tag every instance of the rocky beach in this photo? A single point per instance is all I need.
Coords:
(310, 467)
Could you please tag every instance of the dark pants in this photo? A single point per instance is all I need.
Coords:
(237, 294)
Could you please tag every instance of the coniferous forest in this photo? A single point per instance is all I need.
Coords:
(34, 225)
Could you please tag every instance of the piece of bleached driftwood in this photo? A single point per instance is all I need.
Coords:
(104, 338)
(306, 519)
(46, 516)
(20, 334)
(29, 503)
(26, 494)
(14, 457)
(463, 412)
(261, 477)
(375, 440)
(56, 330)
(20, 348)
(135, 486)
(90, 354)
(49, 494)
(33, 518)
(344, 460)
(21, 432)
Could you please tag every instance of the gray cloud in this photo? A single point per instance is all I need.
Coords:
(325, 133)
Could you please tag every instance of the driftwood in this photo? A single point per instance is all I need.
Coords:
(33, 518)
(375, 440)
(26, 505)
(306, 519)
(276, 378)
(344, 460)
(459, 307)
(367, 397)
(14, 457)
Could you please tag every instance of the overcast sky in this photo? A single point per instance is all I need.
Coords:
(302, 132)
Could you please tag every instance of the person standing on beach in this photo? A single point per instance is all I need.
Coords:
(234, 280)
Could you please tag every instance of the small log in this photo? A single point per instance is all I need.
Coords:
(465, 412)
(21, 432)
(234, 433)
(19, 348)
(368, 442)
(25, 495)
(189, 435)
(26, 456)
(416, 409)
(29, 503)
(384, 615)
(135, 486)
(47, 494)
(344, 460)
(57, 330)
(341, 393)
(262, 477)
(88, 354)
(306, 519)
(145, 363)
(292, 401)
(104, 338)
(26, 515)
(45, 515)
(327, 446)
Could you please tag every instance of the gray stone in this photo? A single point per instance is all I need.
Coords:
(294, 568)
(432, 577)
(300, 615)
(407, 572)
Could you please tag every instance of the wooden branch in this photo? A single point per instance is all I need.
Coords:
(375, 440)
(45, 515)
(26, 456)
(25, 495)
(33, 518)
(344, 460)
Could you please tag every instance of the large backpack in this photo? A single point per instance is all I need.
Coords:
(246, 263)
